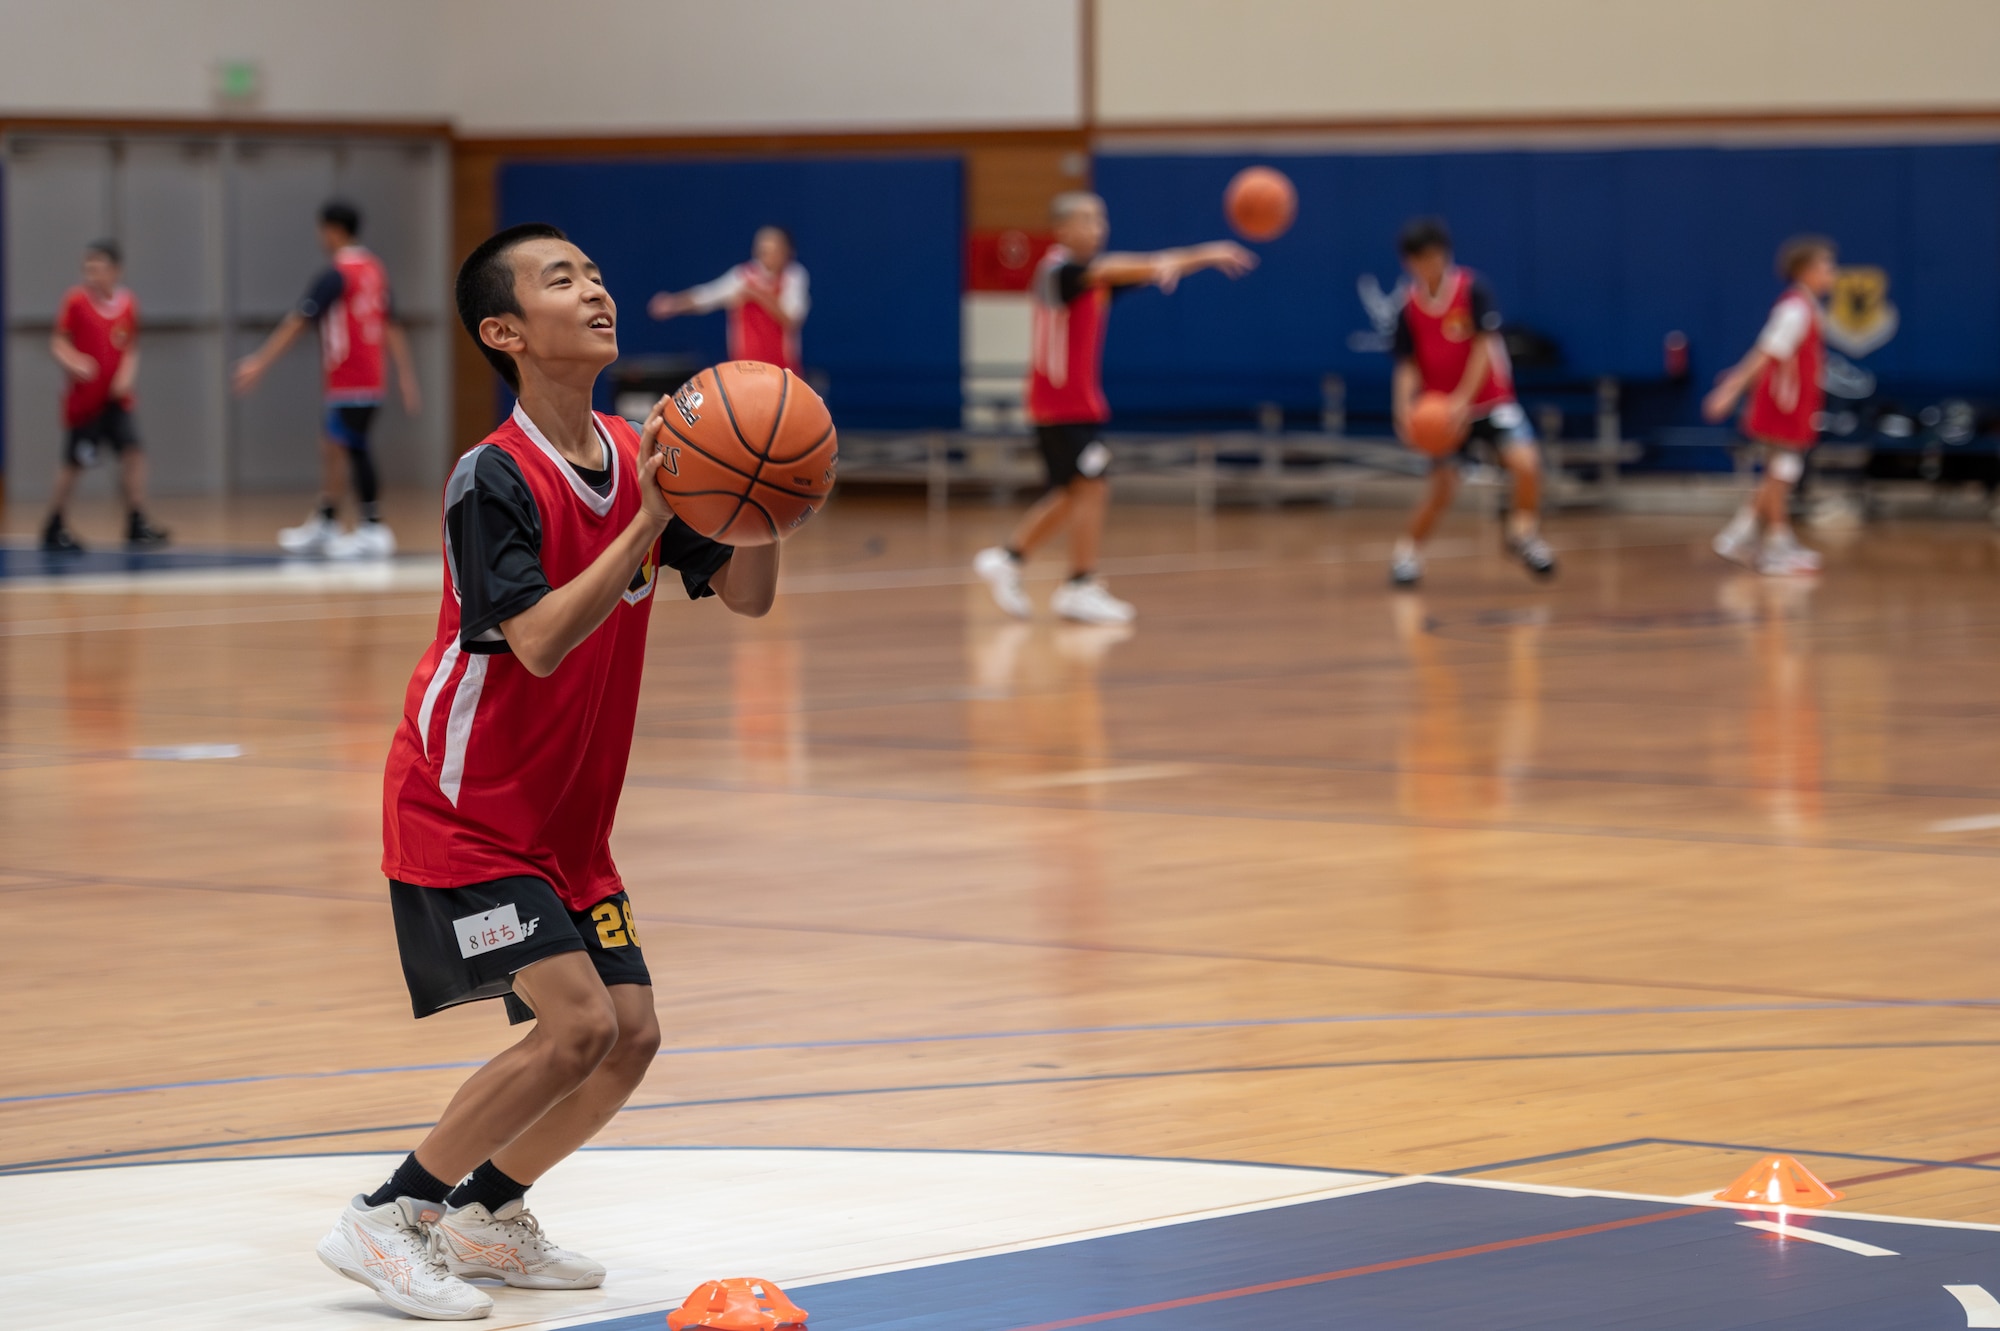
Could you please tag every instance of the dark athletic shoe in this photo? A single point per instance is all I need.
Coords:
(1535, 556)
(56, 540)
(143, 535)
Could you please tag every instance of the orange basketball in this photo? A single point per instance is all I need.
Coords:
(1431, 427)
(1260, 203)
(750, 453)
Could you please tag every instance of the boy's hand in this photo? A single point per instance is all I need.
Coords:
(665, 305)
(1720, 401)
(248, 371)
(652, 499)
(1230, 257)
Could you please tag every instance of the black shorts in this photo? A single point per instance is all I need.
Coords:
(1506, 424)
(110, 428)
(1070, 451)
(348, 424)
(462, 944)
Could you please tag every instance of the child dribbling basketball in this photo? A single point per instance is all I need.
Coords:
(503, 777)
(1448, 342)
(1782, 373)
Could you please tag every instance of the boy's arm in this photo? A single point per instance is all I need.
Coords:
(127, 374)
(1783, 332)
(1404, 385)
(1165, 268)
(726, 290)
(75, 364)
(251, 368)
(406, 368)
(748, 583)
(1729, 385)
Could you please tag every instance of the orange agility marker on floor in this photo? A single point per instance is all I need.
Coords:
(739, 1304)
(1779, 1180)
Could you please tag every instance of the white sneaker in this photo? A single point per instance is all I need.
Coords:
(1535, 555)
(509, 1245)
(1406, 566)
(309, 537)
(1736, 545)
(1783, 556)
(393, 1250)
(1088, 602)
(1001, 573)
(371, 540)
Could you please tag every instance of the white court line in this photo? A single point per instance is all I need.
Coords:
(1099, 776)
(1981, 1308)
(1983, 822)
(1785, 1231)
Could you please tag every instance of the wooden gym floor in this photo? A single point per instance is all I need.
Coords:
(1614, 884)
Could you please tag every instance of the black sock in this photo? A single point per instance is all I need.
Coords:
(55, 523)
(488, 1187)
(1014, 554)
(327, 509)
(410, 1180)
(1084, 576)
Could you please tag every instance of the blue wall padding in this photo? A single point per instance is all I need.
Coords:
(1605, 250)
(881, 238)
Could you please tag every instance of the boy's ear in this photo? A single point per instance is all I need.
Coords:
(500, 333)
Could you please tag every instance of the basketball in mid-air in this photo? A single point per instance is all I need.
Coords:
(750, 452)
(1260, 203)
(1432, 426)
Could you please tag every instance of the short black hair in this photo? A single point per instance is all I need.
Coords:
(340, 213)
(106, 247)
(1423, 233)
(1798, 251)
(485, 288)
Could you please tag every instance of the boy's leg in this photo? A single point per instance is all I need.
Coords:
(581, 1114)
(1406, 561)
(1523, 459)
(1049, 515)
(1089, 501)
(575, 1028)
(1781, 552)
(55, 534)
(132, 483)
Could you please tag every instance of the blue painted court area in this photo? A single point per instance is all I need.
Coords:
(1432, 1255)
(30, 562)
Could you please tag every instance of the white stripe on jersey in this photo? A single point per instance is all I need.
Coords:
(458, 727)
(445, 664)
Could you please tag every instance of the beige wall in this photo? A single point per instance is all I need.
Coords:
(352, 59)
(645, 65)
(1197, 60)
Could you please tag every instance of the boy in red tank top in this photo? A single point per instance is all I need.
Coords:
(1072, 291)
(1782, 374)
(502, 779)
(96, 342)
(767, 300)
(1448, 341)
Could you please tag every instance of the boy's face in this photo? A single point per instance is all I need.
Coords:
(1084, 230)
(99, 273)
(1818, 273)
(770, 249)
(1428, 266)
(567, 318)
(333, 238)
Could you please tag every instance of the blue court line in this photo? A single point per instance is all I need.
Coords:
(1076, 1079)
(959, 1037)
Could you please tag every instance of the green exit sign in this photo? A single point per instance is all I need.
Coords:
(238, 83)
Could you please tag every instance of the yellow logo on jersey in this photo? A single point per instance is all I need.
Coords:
(1859, 315)
(642, 582)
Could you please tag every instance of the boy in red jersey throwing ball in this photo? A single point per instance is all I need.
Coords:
(1448, 341)
(502, 780)
(1783, 418)
(1072, 292)
(767, 299)
(97, 344)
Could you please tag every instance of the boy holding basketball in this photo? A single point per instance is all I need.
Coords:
(1448, 342)
(1072, 291)
(502, 780)
(1783, 417)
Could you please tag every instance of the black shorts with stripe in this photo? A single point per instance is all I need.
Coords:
(464, 944)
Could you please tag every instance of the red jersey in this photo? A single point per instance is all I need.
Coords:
(1066, 345)
(103, 331)
(494, 773)
(1436, 333)
(351, 329)
(754, 333)
(1786, 403)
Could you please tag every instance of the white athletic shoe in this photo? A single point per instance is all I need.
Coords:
(1406, 565)
(1783, 556)
(1088, 602)
(393, 1249)
(309, 537)
(1738, 542)
(371, 540)
(1535, 555)
(1001, 573)
(509, 1245)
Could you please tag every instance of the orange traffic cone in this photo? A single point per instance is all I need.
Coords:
(741, 1304)
(1778, 1180)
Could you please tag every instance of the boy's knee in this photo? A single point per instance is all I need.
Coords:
(579, 1040)
(636, 1046)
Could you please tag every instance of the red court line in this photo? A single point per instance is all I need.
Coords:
(1372, 1268)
